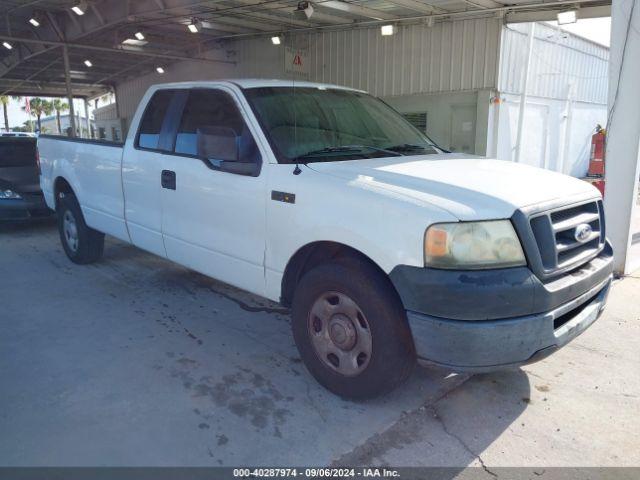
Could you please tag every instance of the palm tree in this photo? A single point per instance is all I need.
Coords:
(40, 106)
(4, 100)
(59, 106)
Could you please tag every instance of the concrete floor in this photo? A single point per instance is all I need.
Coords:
(136, 361)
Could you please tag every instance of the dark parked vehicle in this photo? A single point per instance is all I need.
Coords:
(20, 194)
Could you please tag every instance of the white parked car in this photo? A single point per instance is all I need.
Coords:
(324, 198)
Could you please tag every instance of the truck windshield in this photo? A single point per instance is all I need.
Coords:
(312, 124)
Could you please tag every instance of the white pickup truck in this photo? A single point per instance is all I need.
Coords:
(386, 247)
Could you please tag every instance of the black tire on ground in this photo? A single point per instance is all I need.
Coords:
(81, 243)
(391, 349)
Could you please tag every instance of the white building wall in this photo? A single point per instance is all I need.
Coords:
(559, 59)
(566, 97)
(448, 57)
(549, 139)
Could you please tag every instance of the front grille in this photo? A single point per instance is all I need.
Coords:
(555, 234)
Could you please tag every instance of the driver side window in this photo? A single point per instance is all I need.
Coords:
(212, 128)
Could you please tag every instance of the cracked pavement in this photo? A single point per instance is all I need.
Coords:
(136, 361)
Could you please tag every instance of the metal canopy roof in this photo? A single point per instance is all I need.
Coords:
(34, 65)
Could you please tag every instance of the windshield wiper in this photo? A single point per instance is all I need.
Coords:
(355, 149)
(410, 147)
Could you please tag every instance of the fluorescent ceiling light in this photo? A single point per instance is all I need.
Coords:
(193, 26)
(139, 36)
(386, 30)
(160, 70)
(570, 16)
(88, 63)
(7, 45)
(34, 22)
(134, 42)
(276, 40)
(79, 8)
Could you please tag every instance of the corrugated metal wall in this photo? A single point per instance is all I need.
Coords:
(559, 60)
(450, 56)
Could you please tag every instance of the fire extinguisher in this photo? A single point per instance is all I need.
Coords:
(596, 162)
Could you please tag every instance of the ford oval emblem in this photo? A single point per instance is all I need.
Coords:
(583, 232)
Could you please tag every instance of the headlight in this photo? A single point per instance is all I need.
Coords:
(9, 194)
(473, 245)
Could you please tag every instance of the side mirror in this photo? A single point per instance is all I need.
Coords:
(217, 143)
(220, 147)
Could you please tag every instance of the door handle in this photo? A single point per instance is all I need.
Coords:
(168, 179)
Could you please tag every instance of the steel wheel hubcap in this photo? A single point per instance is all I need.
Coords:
(70, 230)
(340, 333)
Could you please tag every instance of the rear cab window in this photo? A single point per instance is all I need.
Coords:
(153, 119)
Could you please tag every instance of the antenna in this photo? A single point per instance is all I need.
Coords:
(297, 170)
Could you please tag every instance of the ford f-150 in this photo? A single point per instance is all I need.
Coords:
(386, 247)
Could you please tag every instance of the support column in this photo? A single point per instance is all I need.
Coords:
(623, 132)
(86, 115)
(67, 80)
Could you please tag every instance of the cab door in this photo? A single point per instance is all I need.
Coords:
(142, 170)
(213, 192)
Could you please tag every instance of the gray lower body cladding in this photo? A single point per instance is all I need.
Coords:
(494, 344)
(485, 320)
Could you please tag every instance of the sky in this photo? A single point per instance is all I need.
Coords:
(595, 29)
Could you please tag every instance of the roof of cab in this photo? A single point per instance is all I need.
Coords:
(256, 83)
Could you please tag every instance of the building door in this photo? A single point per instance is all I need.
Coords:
(463, 128)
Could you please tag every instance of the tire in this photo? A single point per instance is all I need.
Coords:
(82, 244)
(324, 323)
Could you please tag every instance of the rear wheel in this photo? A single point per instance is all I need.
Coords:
(81, 243)
(351, 330)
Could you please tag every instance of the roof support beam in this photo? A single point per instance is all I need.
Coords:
(417, 6)
(356, 10)
(316, 17)
(54, 44)
(483, 3)
(551, 14)
(46, 67)
(507, 9)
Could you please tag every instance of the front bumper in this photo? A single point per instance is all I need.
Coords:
(29, 206)
(487, 320)
(489, 345)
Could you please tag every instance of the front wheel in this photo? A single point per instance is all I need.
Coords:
(351, 330)
(81, 243)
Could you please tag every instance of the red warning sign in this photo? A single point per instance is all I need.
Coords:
(295, 61)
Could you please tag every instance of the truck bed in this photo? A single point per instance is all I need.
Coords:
(93, 170)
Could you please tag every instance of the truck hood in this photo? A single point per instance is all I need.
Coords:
(470, 188)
